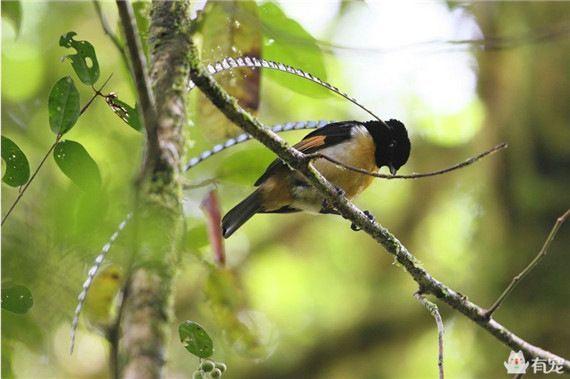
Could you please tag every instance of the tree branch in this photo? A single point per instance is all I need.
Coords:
(432, 309)
(541, 254)
(348, 210)
(140, 76)
(159, 222)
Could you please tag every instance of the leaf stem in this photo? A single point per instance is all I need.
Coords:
(57, 139)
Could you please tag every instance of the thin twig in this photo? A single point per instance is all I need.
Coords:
(541, 254)
(434, 311)
(109, 32)
(57, 139)
(142, 81)
(414, 175)
(114, 333)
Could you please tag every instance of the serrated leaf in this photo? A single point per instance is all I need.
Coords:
(195, 339)
(12, 10)
(84, 62)
(17, 167)
(63, 106)
(76, 163)
(230, 28)
(125, 112)
(17, 299)
(286, 41)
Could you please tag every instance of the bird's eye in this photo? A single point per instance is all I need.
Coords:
(392, 144)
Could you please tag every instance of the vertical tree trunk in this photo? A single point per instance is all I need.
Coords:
(159, 217)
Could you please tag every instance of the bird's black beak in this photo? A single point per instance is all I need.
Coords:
(393, 170)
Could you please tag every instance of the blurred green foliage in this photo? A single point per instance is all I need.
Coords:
(310, 297)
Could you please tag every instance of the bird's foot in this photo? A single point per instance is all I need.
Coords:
(326, 204)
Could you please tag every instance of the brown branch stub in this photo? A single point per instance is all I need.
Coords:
(393, 246)
(541, 254)
(434, 311)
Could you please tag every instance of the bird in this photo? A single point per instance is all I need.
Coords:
(366, 145)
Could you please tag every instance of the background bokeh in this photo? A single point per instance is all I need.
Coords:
(320, 300)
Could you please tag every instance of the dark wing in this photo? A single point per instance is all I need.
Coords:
(327, 136)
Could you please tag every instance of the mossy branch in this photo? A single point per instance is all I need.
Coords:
(145, 309)
(298, 161)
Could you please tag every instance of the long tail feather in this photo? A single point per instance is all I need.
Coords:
(242, 212)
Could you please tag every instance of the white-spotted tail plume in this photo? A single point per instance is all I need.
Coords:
(91, 274)
(299, 125)
(253, 62)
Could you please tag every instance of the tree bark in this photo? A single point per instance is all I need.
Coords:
(144, 313)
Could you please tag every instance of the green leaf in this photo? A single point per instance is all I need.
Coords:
(76, 163)
(85, 61)
(17, 167)
(195, 339)
(125, 112)
(12, 10)
(286, 41)
(63, 106)
(17, 299)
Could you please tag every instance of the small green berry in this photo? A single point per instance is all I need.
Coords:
(207, 365)
(216, 373)
(221, 366)
(198, 375)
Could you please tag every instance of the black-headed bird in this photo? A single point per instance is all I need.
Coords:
(365, 145)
